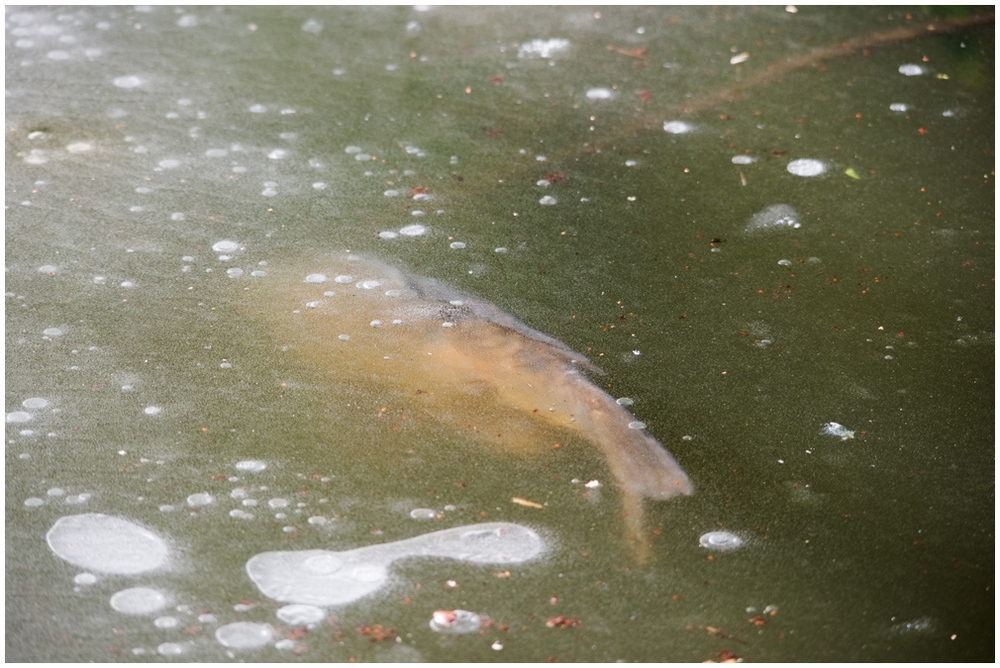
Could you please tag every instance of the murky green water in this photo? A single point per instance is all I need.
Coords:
(138, 138)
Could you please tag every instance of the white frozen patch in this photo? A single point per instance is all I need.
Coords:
(323, 578)
(107, 544)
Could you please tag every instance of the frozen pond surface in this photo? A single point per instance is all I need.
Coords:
(771, 228)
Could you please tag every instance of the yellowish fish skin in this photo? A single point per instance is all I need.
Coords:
(464, 362)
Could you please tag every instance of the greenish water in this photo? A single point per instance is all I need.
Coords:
(137, 139)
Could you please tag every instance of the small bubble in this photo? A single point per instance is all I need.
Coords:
(413, 230)
(595, 94)
(131, 81)
(720, 540)
(80, 147)
(18, 416)
(548, 200)
(152, 410)
(911, 70)
(423, 514)
(806, 167)
(170, 649)
(225, 246)
(138, 601)
(85, 579)
(677, 127)
(244, 635)
(457, 245)
(200, 499)
(312, 26)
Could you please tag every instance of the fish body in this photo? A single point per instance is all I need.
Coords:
(465, 362)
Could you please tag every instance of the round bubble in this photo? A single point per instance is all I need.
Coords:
(301, 614)
(200, 499)
(107, 544)
(720, 540)
(18, 416)
(244, 635)
(423, 514)
(138, 601)
(85, 579)
(225, 246)
(170, 649)
(413, 230)
(806, 167)
(315, 278)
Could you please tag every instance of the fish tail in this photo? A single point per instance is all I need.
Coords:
(639, 463)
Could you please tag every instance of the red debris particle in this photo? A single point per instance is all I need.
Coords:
(561, 622)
